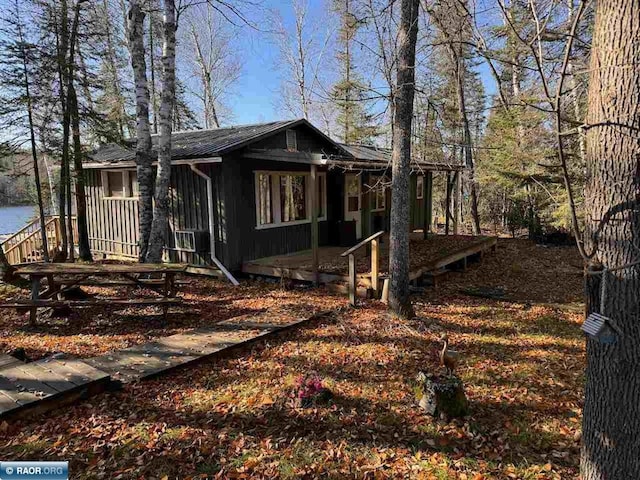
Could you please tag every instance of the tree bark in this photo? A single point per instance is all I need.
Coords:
(143, 146)
(611, 417)
(32, 139)
(6, 269)
(84, 248)
(62, 35)
(399, 301)
(163, 175)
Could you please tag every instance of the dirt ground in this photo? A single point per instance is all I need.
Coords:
(522, 363)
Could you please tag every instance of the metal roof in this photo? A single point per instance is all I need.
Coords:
(203, 144)
(194, 143)
(380, 158)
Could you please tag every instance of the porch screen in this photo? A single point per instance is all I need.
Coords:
(293, 198)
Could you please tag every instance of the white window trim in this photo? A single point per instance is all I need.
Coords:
(419, 191)
(128, 194)
(275, 198)
(377, 185)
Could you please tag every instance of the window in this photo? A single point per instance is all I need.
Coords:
(120, 184)
(419, 187)
(293, 198)
(264, 208)
(379, 193)
(353, 193)
(285, 198)
(292, 141)
(115, 184)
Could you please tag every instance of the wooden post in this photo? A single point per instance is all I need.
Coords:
(447, 209)
(375, 265)
(385, 291)
(314, 224)
(35, 294)
(456, 202)
(352, 280)
(427, 204)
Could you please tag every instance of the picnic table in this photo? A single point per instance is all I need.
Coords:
(62, 277)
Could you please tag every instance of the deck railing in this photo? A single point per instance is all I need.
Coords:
(26, 246)
(375, 265)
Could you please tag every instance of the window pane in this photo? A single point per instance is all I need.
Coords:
(419, 186)
(133, 183)
(265, 212)
(293, 201)
(353, 193)
(116, 184)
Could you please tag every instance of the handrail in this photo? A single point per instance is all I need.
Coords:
(33, 224)
(29, 236)
(362, 243)
(375, 263)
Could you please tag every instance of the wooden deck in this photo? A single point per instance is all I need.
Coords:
(28, 389)
(333, 267)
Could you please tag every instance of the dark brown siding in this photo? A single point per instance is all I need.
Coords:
(242, 240)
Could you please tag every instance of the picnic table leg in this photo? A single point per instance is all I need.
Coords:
(166, 291)
(35, 294)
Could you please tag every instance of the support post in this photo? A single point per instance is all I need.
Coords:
(352, 280)
(447, 209)
(35, 294)
(314, 224)
(375, 268)
(427, 204)
(456, 202)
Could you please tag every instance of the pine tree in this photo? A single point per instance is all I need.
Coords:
(349, 93)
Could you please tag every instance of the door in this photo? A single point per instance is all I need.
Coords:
(353, 201)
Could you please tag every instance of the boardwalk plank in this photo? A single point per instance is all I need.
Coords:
(11, 390)
(24, 378)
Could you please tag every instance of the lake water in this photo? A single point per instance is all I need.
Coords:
(13, 219)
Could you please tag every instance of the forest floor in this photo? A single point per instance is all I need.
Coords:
(232, 417)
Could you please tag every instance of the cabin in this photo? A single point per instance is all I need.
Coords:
(246, 192)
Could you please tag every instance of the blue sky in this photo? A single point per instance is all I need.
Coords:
(259, 86)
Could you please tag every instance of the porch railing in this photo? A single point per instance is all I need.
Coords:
(375, 265)
(26, 246)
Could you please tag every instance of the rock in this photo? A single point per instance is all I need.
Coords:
(441, 395)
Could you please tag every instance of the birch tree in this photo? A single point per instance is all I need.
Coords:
(212, 60)
(161, 195)
(611, 416)
(144, 157)
(399, 301)
(301, 59)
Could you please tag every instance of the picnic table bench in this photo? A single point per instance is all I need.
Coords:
(62, 277)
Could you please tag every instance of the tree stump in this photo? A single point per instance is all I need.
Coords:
(438, 395)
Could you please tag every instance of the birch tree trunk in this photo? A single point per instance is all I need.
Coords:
(611, 417)
(163, 175)
(143, 146)
(401, 161)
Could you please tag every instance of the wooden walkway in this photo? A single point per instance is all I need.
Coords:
(28, 389)
(49, 383)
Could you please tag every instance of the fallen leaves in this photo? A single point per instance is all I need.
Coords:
(230, 417)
